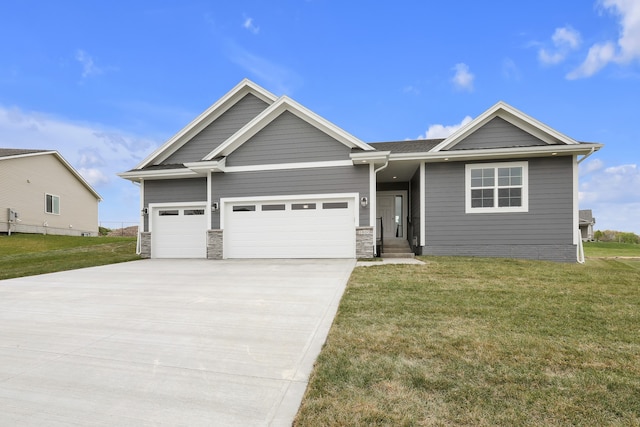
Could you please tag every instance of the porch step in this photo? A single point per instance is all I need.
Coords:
(397, 249)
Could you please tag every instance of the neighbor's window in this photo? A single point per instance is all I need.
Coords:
(497, 187)
(52, 204)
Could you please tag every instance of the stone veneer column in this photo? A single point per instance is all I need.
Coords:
(214, 244)
(364, 242)
(145, 244)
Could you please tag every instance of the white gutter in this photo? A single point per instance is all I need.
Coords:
(593, 150)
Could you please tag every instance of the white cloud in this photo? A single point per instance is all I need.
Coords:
(88, 65)
(442, 131)
(249, 25)
(510, 70)
(565, 39)
(591, 166)
(627, 48)
(463, 78)
(613, 193)
(95, 151)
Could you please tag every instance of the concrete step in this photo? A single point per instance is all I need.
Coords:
(396, 249)
(398, 255)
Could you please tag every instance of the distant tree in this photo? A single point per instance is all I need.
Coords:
(616, 236)
(598, 235)
(103, 231)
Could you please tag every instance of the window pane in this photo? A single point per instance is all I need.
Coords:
(488, 177)
(49, 203)
(476, 182)
(194, 211)
(244, 208)
(279, 207)
(476, 173)
(482, 198)
(172, 212)
(302, 206)
(335, 205)
(56, 204)
(509, 197)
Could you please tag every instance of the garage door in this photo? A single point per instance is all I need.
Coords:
(304, 228)
(179, 232)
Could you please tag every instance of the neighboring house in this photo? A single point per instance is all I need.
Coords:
(586, 224)
(260, 176)
(41, 193)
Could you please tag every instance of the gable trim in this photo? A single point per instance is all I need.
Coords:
(242, 89)
(513, 116)
(64, 162)
(283, 104)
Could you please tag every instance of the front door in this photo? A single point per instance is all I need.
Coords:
(391, 206)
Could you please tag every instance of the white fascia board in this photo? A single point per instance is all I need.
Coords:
(210, 166)
(206, 118)
(136, 176)
(497, 153)
(369, 157)
(513, 116)
(283, 166)
(283, 104)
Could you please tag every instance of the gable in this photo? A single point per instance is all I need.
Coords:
(217, 132)
(288, 139)
(498, 133)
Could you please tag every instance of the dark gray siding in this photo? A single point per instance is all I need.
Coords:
(414, 209)
(549, 222)
(288, 139)
(348, 179)
(498, 133)
(174, 190)
(217, 132)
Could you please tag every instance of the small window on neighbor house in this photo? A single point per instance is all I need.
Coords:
(244, 208)
(335, 205)
(279, 207)
(194, 211)
(52, 204)
(169, 212)
(302, 206)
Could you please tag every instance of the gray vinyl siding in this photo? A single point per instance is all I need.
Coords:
(173, 191)
(217, 132)
(498, 133)
(348, 179)
(414, 208)
(549, 222)
(288, 139)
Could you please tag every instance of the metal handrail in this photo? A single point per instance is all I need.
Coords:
(381, 228)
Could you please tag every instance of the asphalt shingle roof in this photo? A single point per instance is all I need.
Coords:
(8, 152)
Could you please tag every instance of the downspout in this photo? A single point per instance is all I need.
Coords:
(593, 149)
(374, 205)
(141, 226)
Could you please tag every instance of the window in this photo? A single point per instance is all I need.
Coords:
(244, 208)
(497, 187)
(279, 207)
(302, 206)
(194, 212)
(52, 204)
(335, 205)
(170, 212)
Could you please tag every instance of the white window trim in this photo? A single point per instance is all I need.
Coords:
(525, 187)
(52, 204)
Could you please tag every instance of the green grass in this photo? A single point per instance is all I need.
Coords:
(30, 254)
(611, 249)
(482, 342)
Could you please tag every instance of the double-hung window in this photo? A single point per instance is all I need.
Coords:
(497, 187)
(52, 204)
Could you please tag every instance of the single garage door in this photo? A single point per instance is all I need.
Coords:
(179, 232)
(304, 228)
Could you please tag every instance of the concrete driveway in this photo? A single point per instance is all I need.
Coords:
(165, 342)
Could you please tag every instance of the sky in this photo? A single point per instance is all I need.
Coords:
(105, 83)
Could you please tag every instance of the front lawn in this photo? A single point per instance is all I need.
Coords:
(482, 342)
(611, 249)
(30, 254)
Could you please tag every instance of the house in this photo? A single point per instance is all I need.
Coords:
(261, 176)
(586, 223)
(40, 192)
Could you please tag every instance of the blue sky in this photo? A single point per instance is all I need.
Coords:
(105, 83)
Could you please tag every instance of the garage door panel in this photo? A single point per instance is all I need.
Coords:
(291, 233)
(181, 235)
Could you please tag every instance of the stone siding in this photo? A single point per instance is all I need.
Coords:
(364, 242)
(145, 244)
(214, 244)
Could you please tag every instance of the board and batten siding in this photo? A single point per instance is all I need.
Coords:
(173, 191)
(498, 133)
(217, 132)
(544, 232)
(288, 139)
(329, 180)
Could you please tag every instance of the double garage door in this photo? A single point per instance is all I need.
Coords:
(288, 228)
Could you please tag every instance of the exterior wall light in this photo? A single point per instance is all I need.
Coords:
(215, 207)
(364, 202)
